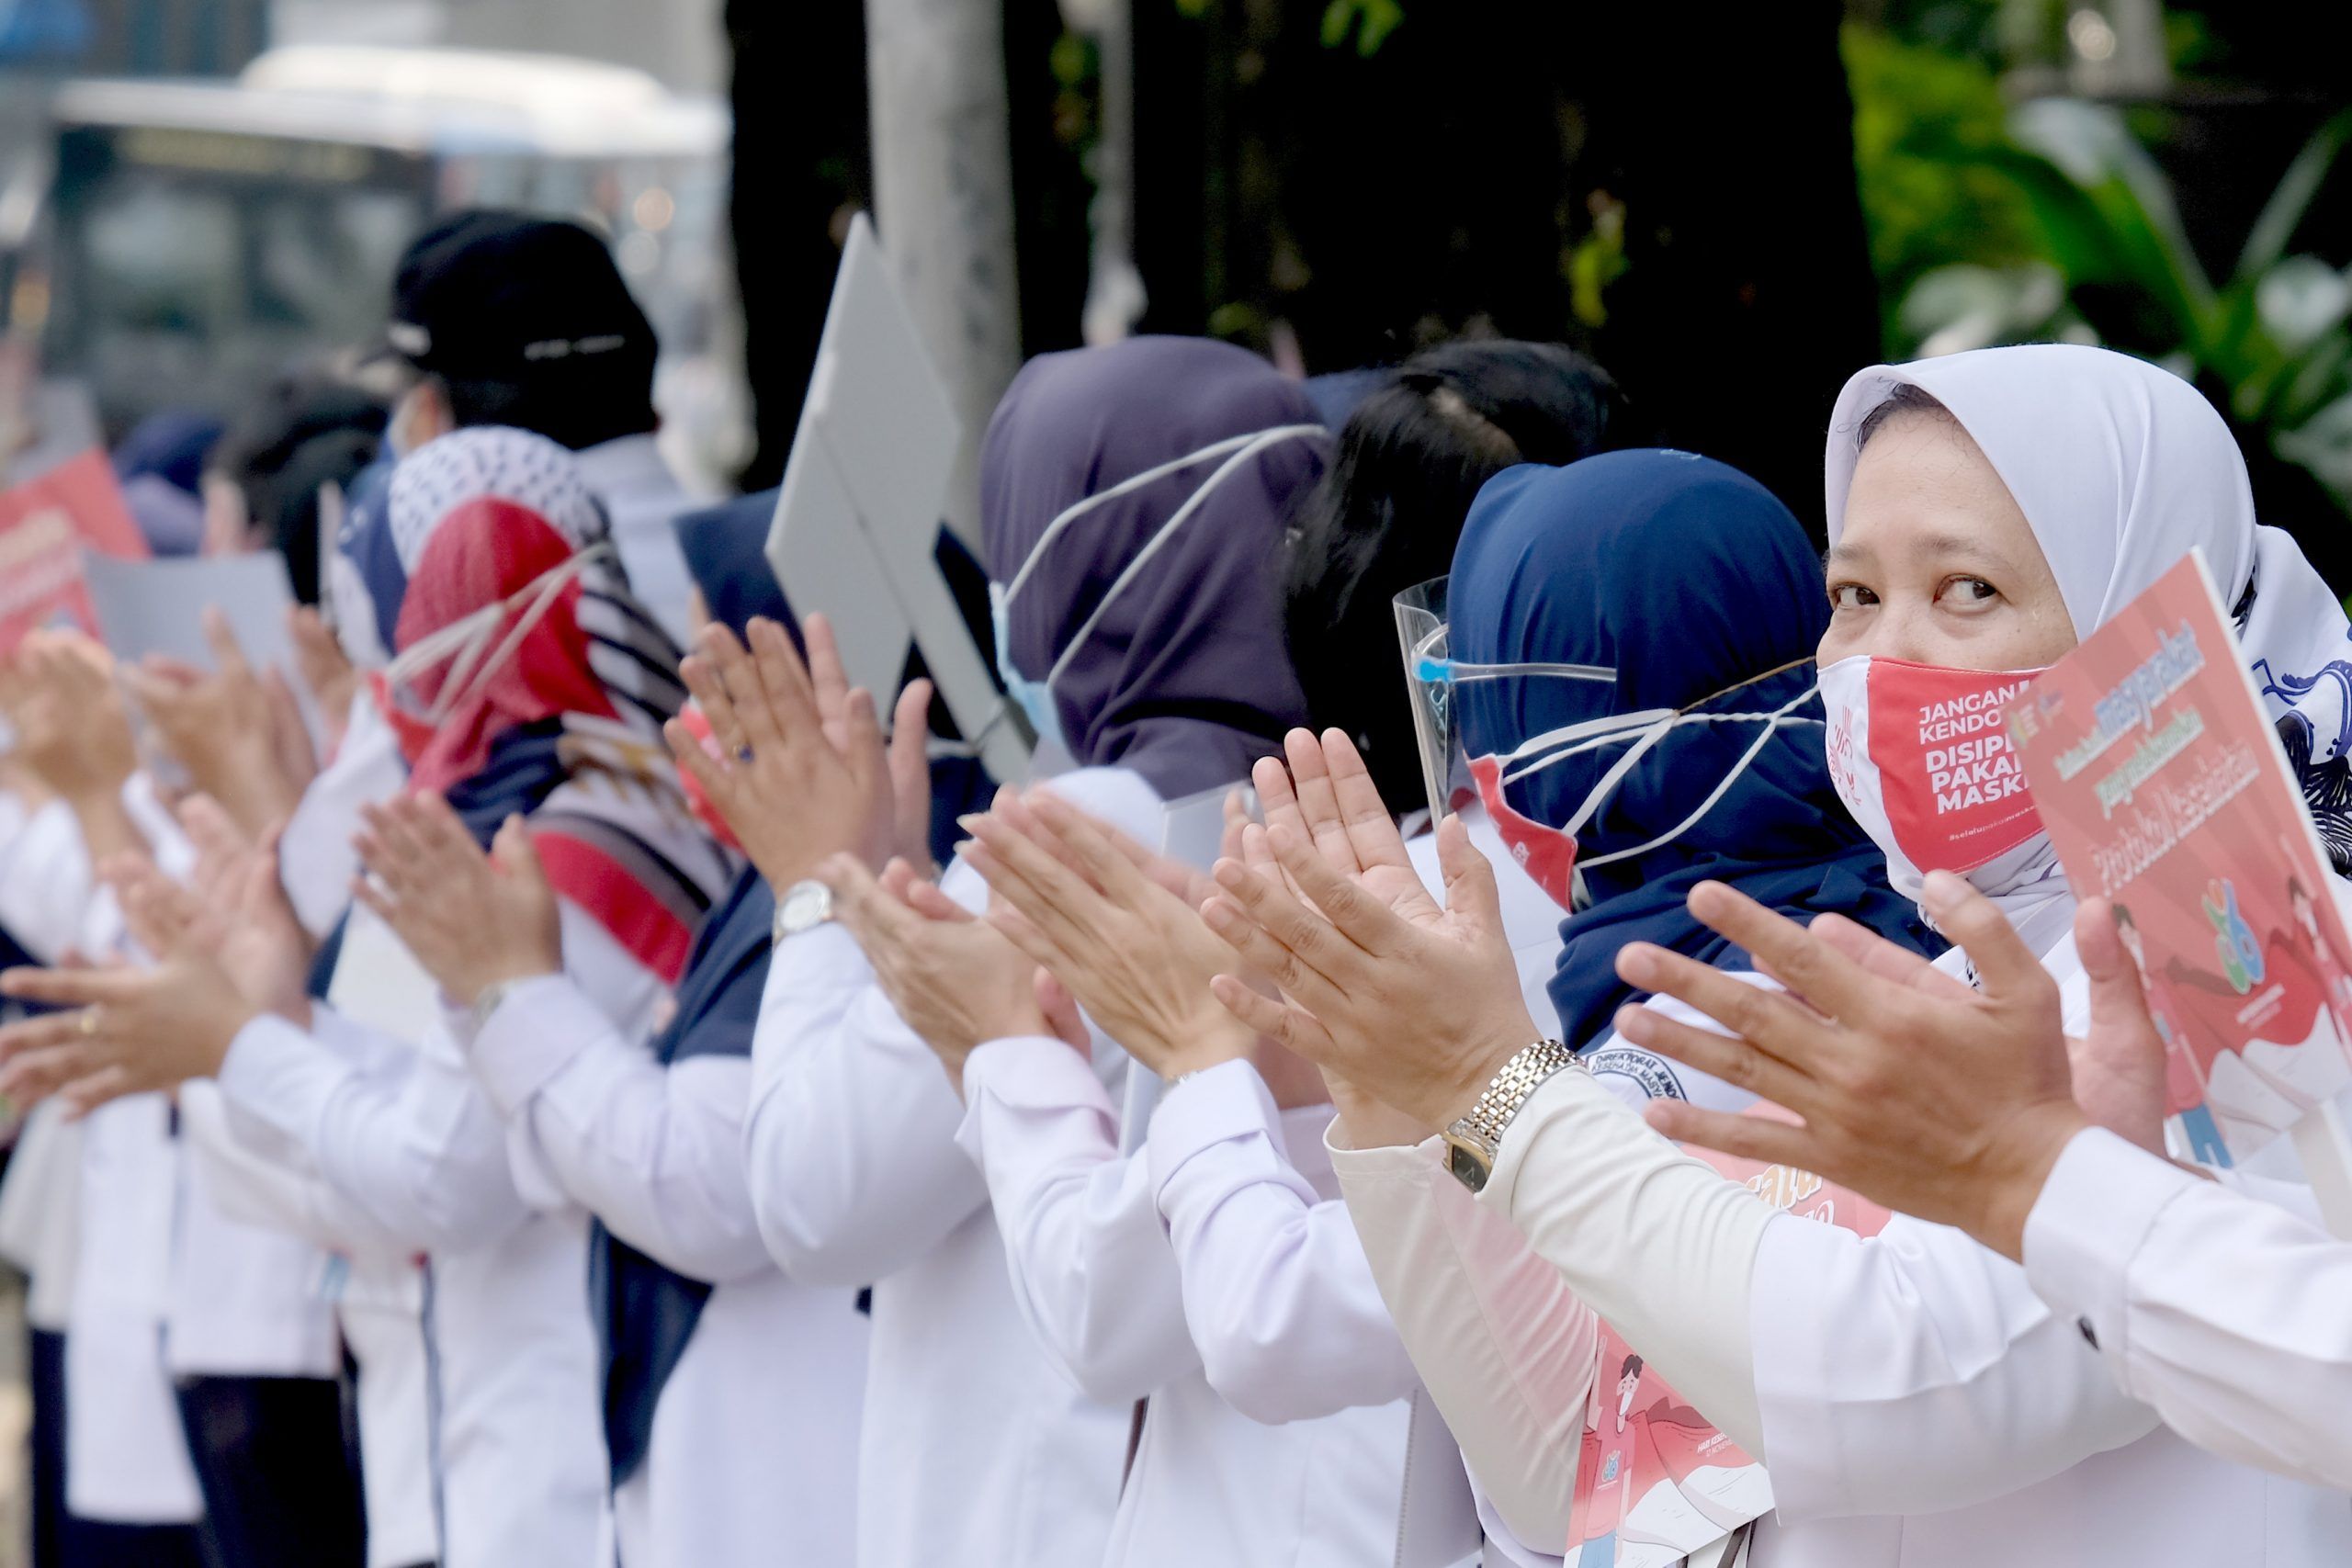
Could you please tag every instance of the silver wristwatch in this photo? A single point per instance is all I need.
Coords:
(804, 907)
(1474, 1141)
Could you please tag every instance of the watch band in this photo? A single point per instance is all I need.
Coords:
(1476, 1138)
(494, 997)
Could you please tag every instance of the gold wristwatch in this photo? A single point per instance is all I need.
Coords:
(1474, 1141)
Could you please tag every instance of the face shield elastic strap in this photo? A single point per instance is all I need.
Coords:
(1242, 449)
(1653, 725)
(462, 642)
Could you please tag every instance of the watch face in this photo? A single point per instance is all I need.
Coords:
(1466, 1167)
(808, 903)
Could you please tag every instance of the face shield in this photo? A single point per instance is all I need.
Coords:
(1440, 687)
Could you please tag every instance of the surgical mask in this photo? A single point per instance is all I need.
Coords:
(469, 652)
(1920, 755)
(1035, 698)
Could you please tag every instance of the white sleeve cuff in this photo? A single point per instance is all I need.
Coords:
(2101, 1200)
(824, 957)
(1387, 1162)
(278, 1076)
(1213, 1106)
(1025, 1071)
(535, 1031)
(1510, 1163)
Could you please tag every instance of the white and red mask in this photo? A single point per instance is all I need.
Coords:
(1920, 755)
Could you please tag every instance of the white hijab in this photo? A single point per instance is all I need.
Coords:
(2121, 468)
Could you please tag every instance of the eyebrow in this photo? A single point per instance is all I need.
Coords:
(1939, 547)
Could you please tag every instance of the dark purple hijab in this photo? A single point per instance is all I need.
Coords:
(1185, 679)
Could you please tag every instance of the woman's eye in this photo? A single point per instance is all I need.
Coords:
(1972, 590)
(1850, 596)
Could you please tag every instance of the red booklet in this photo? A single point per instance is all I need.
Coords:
(1655, 1481)
(45, 523)
(2164, 788)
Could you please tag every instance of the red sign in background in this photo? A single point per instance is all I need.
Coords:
(45, 525)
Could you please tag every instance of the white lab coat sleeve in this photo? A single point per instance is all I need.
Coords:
(620, 993)
(1505, 1349)
(1657, 1242)
(1090, 1261)
(2224, 1312)
(1281, 1302)
(46, 882)
(655, 1152)
(850, 1143)
(1916, 1372)
(256, 1178)
(418, 1152)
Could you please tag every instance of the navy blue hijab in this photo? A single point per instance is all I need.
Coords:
(1187, 679)
(1691, 581)
(646, 1311)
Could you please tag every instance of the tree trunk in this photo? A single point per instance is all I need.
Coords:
(943, 190)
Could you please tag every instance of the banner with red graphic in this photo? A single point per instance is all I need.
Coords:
(1655, 1481)
(2166, 789)
(45, 525)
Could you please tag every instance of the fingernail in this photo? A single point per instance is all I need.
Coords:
(1636, 965)
(1633, 1021)
(1229, 873)
(1218, 918)
(1941, 892)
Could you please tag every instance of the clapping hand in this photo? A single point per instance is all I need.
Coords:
(325, 669)
(1943, 1100)
(237, 731)
(799, 770)
(133, 1030)
(71, 731)
(957, 981)
(1414, 1004)
(244, 918)
(1097, 910)
(473, 920)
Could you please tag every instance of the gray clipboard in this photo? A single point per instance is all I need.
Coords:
(859, 512)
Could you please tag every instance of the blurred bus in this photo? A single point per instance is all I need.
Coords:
(202, 236)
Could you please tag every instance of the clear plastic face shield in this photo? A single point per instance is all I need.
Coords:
(1433, 677)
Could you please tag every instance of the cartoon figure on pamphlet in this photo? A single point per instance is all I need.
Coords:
(2313, 945)
(2185, 1070)
(1657, 1482)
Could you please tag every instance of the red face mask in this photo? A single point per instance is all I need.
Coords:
(697, 723)
(1547, 854)
(1920, 755)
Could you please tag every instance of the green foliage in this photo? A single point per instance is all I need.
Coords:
(1598, 261)
(1926, 124)
(1370, 20)
(2055, 223)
